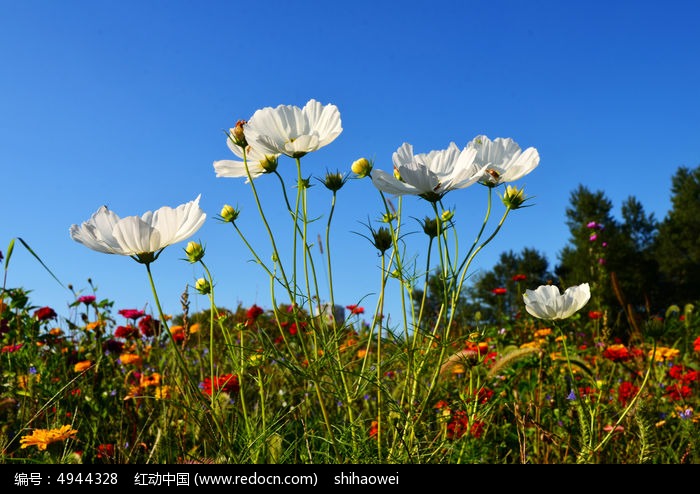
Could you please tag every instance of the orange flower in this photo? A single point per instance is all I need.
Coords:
(95, 325)
(541, 333)
(130, 358)
(82, 366)
(41, 438)
(152, 380)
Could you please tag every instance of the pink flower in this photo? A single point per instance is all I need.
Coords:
(86, 299)
(132, 313)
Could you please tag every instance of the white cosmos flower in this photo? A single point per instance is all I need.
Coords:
(258, 162)
(293, 131)
(429, 175)
(504, 160)
(143, 238)
(546, 302)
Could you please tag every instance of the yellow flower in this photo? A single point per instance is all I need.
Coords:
(664, 354)
(23, 381)
(194, 328)
(162, 392)
(134, 391)
(130, 358)
(82, 366)
(41, 438)
(56, 332)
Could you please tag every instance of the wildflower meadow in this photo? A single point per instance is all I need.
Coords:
(316, 380)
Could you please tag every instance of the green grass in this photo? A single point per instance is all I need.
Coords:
(301, 389)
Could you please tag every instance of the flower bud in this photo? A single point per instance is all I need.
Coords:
(194, 251)
(430, 227)
(447, 215)
(513, 197)
(334, 181)
(202, 286)
(237, 135)
(388, 217)
(382, 239)
(229, 214)
(654, 327)
(361, 167)
(269, 164)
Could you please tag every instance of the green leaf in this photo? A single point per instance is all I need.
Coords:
(26, 246)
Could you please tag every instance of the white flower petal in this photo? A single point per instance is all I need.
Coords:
(136, 236)
(432, 175)
(388, 183)
(293, 131)
(237, 169)
(133, 235)
(504, 157)
(96, 233)
(546, 302)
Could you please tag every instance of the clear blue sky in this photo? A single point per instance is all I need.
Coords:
(125, 104)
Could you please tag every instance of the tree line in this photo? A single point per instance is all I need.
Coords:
(638, 266)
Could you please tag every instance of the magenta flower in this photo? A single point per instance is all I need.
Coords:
(132, 313)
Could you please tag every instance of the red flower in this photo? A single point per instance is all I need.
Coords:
(499, 291)
(228, 383)
(677, 392)
(86, 299)
(149, 326)
(483, 395)
(11, 348)
(696, 344)
(458, 425)
(354, 309)
(594, 314)
(126, 332)
(253, 313)
(44, 314)
(477, 429)
(625, 392)
(683, 374)
(132, 313)
(374, 429)
(519, 277)
(105, 451)
(617, 353)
